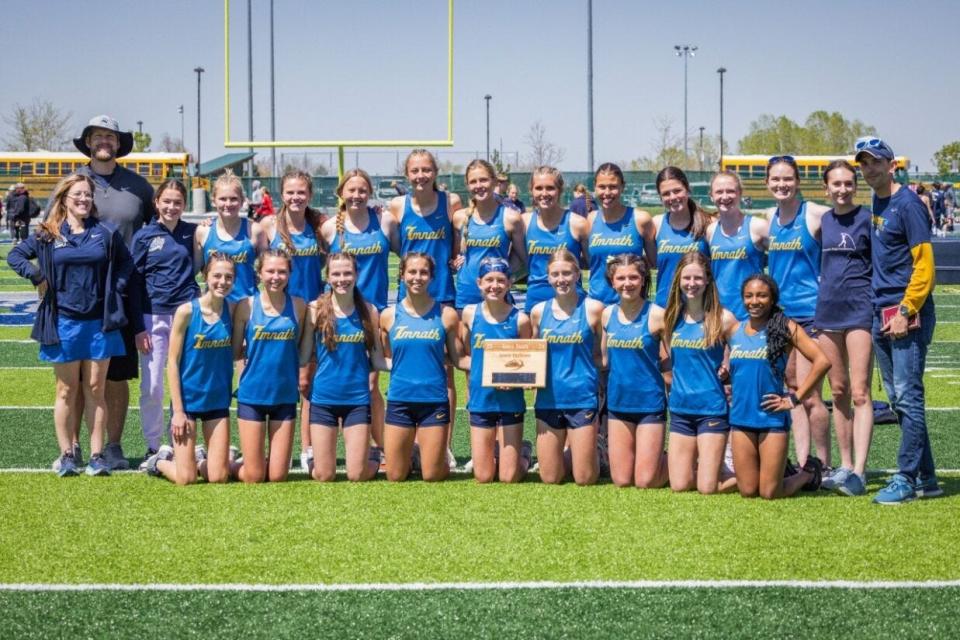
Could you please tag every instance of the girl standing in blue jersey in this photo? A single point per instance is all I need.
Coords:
(549, 226)
(844, 317)
(615, 229)
(636, 399)
(342, 332)
(760, 403)
(420, 334)
(496, 415)
(567, 407)
(200, 377)
(680, 229)
(232, 235)
(695, 326)
(163, 256)
(793, 256)
(82, 270)
(738, 243)
(296, 230)
(487, 229)
(266, 334)
(369, 236)
(425, 217)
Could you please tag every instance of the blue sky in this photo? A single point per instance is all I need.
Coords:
(378, 69)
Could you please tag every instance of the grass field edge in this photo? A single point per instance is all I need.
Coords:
(490, 586)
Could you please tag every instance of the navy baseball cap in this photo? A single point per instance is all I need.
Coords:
(874, 146)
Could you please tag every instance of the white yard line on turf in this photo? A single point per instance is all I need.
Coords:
(498, 586)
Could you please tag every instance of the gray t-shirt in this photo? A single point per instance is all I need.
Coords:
(126, 202)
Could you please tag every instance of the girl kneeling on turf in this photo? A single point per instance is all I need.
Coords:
(344, 329)
(636, 400)
(416, 332)
(200, 378)
(566, 407)
(496, 415)
(759, 409)
(266, 333)
(695, 324)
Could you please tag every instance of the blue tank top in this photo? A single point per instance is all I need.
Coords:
(671, 247)
(696, 389)
(241, 251)
(752, 378)
(417, 345)
(432, 235)
(794, 262)
(271, 374)
(571, 372)
(608, 240)
(540, 244)
(206, 362)
(635, 384)
(845, 300)
(733, 259)
(306, 274)
(489, 399)
(371, 247)
(342, 375)
(482, 240)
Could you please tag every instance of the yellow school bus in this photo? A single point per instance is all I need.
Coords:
(41, 170)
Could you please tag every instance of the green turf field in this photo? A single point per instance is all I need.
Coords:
(133, 530)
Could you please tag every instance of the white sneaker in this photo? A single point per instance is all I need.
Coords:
(451, 460)
(306, 459)
(199, 454)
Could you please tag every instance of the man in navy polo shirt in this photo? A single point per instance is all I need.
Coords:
(903, 279)
(125, 200)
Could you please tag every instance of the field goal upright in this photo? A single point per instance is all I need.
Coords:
(340, 145)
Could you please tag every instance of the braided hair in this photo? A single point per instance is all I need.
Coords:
(779, 337)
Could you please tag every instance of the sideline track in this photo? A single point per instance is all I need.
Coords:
(495, 586)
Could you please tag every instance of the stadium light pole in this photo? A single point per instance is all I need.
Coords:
(721, 71)
(273, 101)
(487, 98)
(182, 141)
(685, 51)
(250, 81)
(140, 127)
(590, 86)
(198, 71)
(701, 148)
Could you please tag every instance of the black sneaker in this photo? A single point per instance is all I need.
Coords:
(813, 466)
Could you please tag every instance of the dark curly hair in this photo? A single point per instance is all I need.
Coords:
(779, 338)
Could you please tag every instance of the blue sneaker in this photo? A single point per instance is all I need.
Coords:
(98, 466)
(67, 466)
(927, 487)
(852, 485)
(836, 479)
(899, 490)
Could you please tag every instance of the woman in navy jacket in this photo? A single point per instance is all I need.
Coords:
(82, 274)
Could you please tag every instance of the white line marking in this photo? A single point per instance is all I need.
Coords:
(498, 586)
(11, 341)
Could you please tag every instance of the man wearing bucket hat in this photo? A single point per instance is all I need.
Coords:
(124, 199)
(903, 279)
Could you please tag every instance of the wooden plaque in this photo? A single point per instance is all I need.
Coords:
(514, 363)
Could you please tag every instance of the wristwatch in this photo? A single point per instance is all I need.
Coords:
(904, 310)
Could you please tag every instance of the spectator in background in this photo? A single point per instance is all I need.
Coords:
(401, 190)
(924, 196)
(582, 202)
(939, 207)
(18, 212)
(501, 189)
(256, 200)
(266, 204)
(513, 195)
